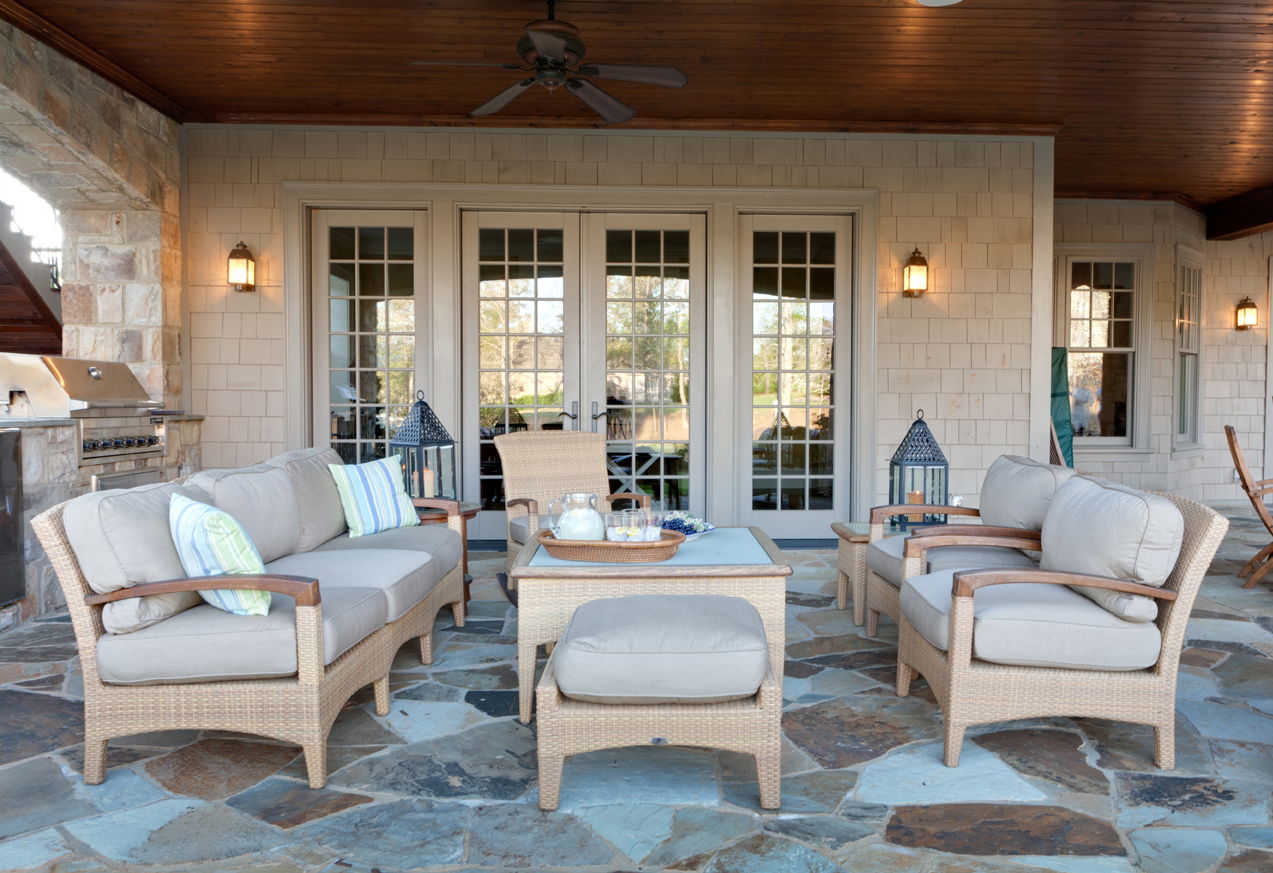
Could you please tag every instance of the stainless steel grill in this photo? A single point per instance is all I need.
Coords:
(116, 417)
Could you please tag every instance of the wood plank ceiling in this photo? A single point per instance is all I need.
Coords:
(1149, 98)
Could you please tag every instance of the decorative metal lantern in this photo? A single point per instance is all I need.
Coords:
(427, 452)
(918, 473)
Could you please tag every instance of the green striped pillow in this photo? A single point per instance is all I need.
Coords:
(211, 543)
(374, 496)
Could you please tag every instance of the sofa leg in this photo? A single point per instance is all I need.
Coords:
(1165, 744)
(457, 609)
(954, 736)
(872, 621)
(94, 761)
(381, 687)
(905, 676)
(316, 762)
(769, 778)
(550, 780)
(426, 649)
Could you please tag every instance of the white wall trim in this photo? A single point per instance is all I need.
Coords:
(1268, 378)
(721, 205)
(1042, 296)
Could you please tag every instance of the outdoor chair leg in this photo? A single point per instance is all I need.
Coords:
(94, 761)
(550, 780)
(316, 762)
(1165, 744)
(1260, 558)
(426, 649)
(905, 676)
(769, 778)
(841, 590)
(954, 737)
(381, 687)
(457, 609)
(1258, 574)
(872, 621)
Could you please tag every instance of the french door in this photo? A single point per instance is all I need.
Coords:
(586, 322)
(368, 274)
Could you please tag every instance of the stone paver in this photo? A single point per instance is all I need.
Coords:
(447, 781)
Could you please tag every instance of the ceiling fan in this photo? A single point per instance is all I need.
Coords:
(554, 53)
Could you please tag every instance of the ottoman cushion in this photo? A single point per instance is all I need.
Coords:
(653, 648)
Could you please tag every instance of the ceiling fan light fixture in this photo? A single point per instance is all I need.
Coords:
(938, 2)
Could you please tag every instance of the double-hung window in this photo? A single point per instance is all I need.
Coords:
(1188, 369)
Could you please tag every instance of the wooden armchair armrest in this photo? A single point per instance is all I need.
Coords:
(976, 530)
(915, 547)
(643, 499)
(452, 507)
(302, 588)
(532, 506)
(968, 581)
(881, 514)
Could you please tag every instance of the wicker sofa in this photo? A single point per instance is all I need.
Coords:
(156, 657)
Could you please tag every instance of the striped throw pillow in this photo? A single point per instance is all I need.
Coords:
(374, 496)
(211, 543)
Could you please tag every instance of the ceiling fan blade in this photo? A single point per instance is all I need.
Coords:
(503, 98)
(668, 77)
(462, 64)
(612, 110)
(550, 45)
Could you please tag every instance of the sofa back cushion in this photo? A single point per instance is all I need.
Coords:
(1105, 529)
(121, 539)
(1018, 491)
(317, 501)
(261, 499)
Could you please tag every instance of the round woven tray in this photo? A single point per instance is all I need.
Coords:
(605, 552)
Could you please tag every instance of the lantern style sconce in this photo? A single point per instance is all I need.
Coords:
(917, 474)
(915, 276)
(241, 269)
(1248, 314)
(427, 452)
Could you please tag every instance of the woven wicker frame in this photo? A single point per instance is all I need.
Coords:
(974, 692)
(299, 710)
(851, 570)
(752, 725)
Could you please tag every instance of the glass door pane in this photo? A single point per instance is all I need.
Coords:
(367, 266)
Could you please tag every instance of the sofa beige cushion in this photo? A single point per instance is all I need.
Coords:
(655, 648)
(405, 577)
(261, 499)
(885, 558)
(1032, 625)
(206, 644)
(317, 500)
(121, 539)
(1102, 528)
(1017, 491)
(437, 540)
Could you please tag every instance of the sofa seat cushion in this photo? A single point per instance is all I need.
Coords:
(405, 577)
(121, 538)
(206, 644)
(438, 540)
(1032, 625)
(317, 500)
(657, 648)
(519, 528)
(261, 499)
(885, 558)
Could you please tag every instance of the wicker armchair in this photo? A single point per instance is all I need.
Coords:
(972, 691)
(298, 709)
(541, 466)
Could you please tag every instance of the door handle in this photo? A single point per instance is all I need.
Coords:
(596, 415)
(573, 415)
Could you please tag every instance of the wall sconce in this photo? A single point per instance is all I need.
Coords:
(1248, 315)
(241, 269)
(915, 276)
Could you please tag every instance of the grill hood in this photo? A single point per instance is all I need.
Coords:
(33, 386)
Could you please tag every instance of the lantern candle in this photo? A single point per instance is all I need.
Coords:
(430, 488)
(915, 497)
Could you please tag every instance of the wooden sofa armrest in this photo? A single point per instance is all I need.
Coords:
(915, 547)
(302, 588)
(452, 507)
(968, 581)
(976, 530)
(643, 499)
(881, 514)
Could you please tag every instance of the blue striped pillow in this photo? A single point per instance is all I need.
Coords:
(211, 543)
(374, 496)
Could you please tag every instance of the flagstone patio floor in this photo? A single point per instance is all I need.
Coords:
(447, 780)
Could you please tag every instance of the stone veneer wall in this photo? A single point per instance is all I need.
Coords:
(51, 475)
(962, 352)
(1234, 375)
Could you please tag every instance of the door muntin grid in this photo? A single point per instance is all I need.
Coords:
(521, 342)
(648, 369)
(793, 373)
(371, 336)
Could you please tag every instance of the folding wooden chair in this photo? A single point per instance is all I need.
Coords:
(1260, 564)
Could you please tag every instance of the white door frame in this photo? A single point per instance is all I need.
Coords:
(439, 376)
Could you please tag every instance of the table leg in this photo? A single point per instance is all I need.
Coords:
(468, 580)
(525, 679)
(859, 583)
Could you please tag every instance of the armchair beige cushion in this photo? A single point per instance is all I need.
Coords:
(1032, 625)
(519, 528)
(885, 558)
(318, 502)
(261, 499)
(1101, 528)
(653, 648)
(1017, 491)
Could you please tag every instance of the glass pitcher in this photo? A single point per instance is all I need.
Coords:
(575, 517)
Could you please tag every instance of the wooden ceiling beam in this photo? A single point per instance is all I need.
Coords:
(1247, 214)
(53, 36)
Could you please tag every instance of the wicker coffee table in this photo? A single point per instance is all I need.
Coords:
(737, 561)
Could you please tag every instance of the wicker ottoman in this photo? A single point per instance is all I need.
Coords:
(680, 670)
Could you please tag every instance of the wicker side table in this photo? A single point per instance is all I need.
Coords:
(855, 537)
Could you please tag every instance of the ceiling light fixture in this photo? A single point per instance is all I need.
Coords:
(938, 2)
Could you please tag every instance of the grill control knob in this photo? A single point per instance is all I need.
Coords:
(152, 440)
(118, 442)
(90, 445)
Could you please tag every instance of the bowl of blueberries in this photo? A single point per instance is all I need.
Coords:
(683, 522)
